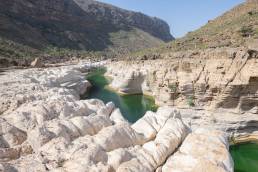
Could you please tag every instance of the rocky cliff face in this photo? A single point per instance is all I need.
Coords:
(120, 17)
(224, 77)
(213, 81)
(76, 25)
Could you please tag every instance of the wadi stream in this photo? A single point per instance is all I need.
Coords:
(133, 107)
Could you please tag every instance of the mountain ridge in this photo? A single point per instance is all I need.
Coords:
(235, 28)
(65, 26)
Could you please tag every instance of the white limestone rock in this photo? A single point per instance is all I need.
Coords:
(202, 149)
(49, 128)
(117, 117)
(130, 82)
(154, 153)
(10, 136)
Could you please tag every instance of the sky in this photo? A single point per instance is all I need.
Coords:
(182, 15)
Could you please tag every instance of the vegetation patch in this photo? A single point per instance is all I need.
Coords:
(190, 101)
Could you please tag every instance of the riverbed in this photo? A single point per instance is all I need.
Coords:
(133, 107)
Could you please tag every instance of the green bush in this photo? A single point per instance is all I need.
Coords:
(172, 87)
(190, 101)
(246, 31)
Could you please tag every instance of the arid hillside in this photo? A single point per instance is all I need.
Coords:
(75, 28)
(236, 28)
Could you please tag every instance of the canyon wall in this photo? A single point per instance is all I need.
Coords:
(211, 82)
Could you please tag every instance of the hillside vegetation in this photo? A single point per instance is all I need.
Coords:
(235, 28)
(80, 28)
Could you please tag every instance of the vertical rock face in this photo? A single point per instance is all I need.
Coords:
(129, 83)
(221, 78)
(210, 82)
(152, 25)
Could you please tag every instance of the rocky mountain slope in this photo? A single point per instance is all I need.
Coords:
(58, 27)
(235, 28)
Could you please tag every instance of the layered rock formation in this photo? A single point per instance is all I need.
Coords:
(44, 126)
(212, 82)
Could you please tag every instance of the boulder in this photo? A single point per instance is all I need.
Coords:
(36, 63)
(203, 149)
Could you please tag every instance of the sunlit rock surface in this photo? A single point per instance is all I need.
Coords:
(44, 126)
(202, 150)
(204, 84)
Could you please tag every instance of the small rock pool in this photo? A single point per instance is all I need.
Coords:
(133, 107)
(245, 157)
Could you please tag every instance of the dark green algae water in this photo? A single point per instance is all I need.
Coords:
(133, 107)
(245, 157)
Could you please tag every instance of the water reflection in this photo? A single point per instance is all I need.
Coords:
(132, 107)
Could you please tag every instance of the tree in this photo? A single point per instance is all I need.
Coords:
(173, 89)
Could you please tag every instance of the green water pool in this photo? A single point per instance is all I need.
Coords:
(245, 157)
(133, 107)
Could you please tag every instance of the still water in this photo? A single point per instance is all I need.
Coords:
(245, 157)
(133, 107)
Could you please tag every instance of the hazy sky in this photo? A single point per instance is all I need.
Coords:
(182, 15)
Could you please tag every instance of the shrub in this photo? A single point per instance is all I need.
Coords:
(246, 31)
(172, 87)
(190, 101)
(251, 13)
